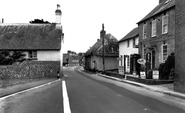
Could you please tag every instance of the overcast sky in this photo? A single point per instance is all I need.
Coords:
(81, 19)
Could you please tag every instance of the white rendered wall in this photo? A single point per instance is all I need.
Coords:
(124, 50)
(49, 55)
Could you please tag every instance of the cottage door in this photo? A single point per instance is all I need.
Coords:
(126, 64)
(148, 61)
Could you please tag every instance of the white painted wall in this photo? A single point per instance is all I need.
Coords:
(49, 55)
(124, 50)
(26, 54)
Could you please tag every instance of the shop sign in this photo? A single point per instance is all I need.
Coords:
(142, 75)
(155, 74)
(121, 70)
(141, 61)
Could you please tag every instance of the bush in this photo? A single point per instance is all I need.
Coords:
(10, 57)
(149, 74)
(166, 70)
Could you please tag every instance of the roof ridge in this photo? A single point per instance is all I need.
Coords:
(134, 32)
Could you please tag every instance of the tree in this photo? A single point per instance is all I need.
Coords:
(10, 57)
(39, 21)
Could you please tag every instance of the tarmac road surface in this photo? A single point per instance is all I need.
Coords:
(89, 95)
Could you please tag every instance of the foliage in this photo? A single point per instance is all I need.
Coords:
(166, 70)
(39, 21)
(10, 57)
(149, 74)
(143, 67)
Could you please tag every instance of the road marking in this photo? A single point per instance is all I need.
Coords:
(65, 98)
(14, 94)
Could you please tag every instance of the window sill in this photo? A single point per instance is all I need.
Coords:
(164, 33)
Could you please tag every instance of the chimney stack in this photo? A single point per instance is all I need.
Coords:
(58, 14)
(102, 32)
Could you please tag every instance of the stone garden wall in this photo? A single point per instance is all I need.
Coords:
(30, 70)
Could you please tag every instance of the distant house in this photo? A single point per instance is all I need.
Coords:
(157, 33)
(40, 42)
(65, 59)
(71, 59)
(128, 50)
(94, 56)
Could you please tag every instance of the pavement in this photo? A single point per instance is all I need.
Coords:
(15, 86)
(163, 88)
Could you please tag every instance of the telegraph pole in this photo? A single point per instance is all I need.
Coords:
(102, 35)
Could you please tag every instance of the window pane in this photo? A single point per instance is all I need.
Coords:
(153, 28)
(144, 31)
(35, 54)
(137, 41)
(165, 24)
(164, 54)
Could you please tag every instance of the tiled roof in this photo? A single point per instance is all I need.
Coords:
(30, 37)
(131, 34)
(159, 8)
(111, 47)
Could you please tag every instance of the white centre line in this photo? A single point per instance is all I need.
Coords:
(65, 98)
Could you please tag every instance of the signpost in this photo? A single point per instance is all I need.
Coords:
(141, 61)
(142, 73)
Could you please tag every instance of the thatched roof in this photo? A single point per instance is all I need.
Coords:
(30, 37)
(111, 47)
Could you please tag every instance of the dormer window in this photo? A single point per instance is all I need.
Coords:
(165, 24)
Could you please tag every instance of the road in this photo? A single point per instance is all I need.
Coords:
(47, 99)
(91, 94)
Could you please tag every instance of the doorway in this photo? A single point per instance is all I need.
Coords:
(153, 59)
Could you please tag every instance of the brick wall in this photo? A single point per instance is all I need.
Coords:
(157, 41)
(179, 82)
(30, 69)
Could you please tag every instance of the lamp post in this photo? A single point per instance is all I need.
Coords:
(102, 35)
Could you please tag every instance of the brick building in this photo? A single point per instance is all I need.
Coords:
(179, 82)
(157, 33)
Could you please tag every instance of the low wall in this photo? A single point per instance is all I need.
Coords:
(114, 74)
(30, 70)
(149, 81)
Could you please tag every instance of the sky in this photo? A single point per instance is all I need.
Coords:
(81, 19)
